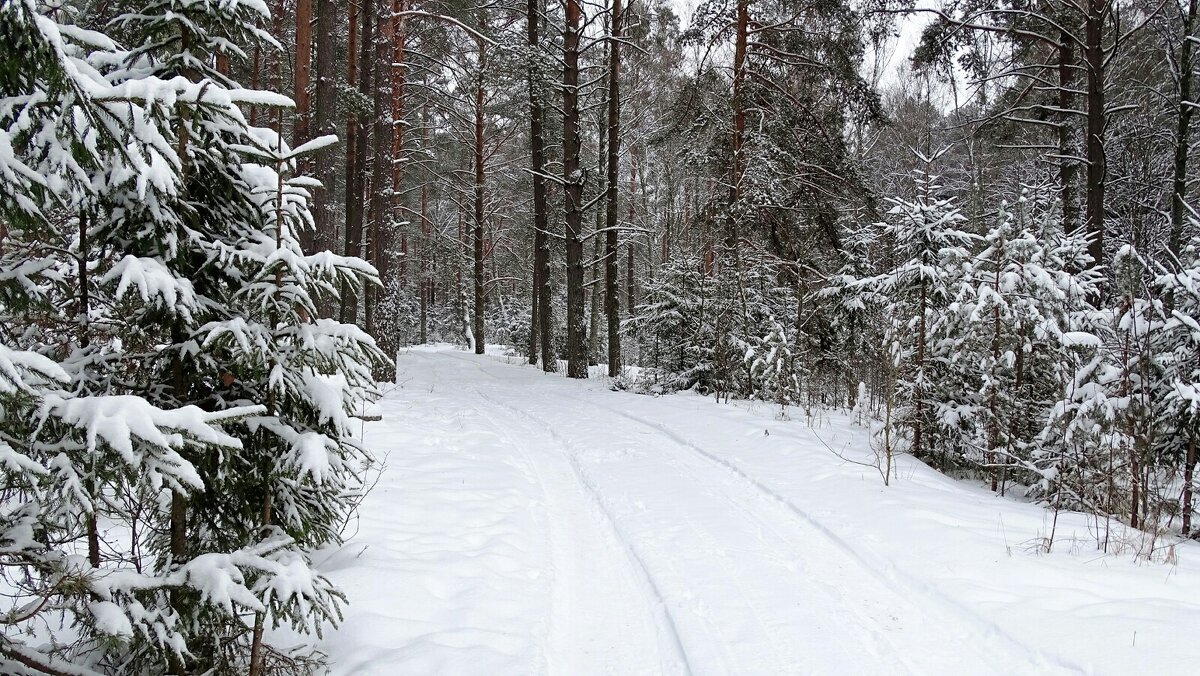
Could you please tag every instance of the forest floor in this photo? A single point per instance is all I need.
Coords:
(529, 524)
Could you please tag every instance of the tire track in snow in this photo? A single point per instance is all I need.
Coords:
(531, 472)
(732, 573)
(1002, 645)
(897, 652)
(886, 575)
(668, 620)
(557, 553)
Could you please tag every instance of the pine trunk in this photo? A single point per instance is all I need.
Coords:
(741, 38)
(612, 295)
(301, 79)
(381, 175)
(541, 219)
(1187, 108)
(426, 285)
(1066, 123)
(629, 249)
(356, 144)
(324, 121)
(1189, 467)
(1095, 56)
(477, 252)
(577, 358)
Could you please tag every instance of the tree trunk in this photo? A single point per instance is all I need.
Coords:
(541, 220)
(1183, 130)
(1189, 466)
(1066, 123)
(356, 145)
(577, 358)
(381, 175)
(993, 428)
(324, 120)
(179, 501)
(301, 79)
(741, 38)
(399, 71)
(255, 81)
(532, 346)
(83, 312)
(426, 285)
(919, 395)
(257, 657)
(1096, 122)
(629, 249)
(480, 289)
(277, 64)
(612, 295)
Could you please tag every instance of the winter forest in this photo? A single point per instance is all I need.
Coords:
(599, 336)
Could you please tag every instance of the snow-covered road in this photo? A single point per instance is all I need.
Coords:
(524, 523)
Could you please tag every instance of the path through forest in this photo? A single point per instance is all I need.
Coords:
(525, 523)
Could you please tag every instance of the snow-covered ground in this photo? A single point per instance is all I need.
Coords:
(529, 524)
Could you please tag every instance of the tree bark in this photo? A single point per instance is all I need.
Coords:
(324, 121)
(1097, 13)
(531, 347)
(381, 175)
(426, 285)
(541, 220)
(1183, 130)
(356, 145)
(1066, 124)
(1189, 467)
(301, 79)
(83, 312)
(630, 290)
(741, 38)
(612, 295)
(399, 72)
(480, 288)
(594, 287)
(577, 358)
(593, 344)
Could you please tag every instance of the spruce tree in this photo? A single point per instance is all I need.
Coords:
(929, 250)
(86, 157)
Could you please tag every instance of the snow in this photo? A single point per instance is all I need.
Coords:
(151, 278)
(525, 523)
(110, 619)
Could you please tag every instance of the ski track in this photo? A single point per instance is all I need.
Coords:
(727, 476)
(594, 496)
(886, 574)
(587, 539)
(563, 587)
(571, 449)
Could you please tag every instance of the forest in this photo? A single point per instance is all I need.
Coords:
(970, 226)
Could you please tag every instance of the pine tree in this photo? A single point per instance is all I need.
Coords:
(1177, 350)
(1008, 336)
(87, 165)
(773, 368)
(254, 338)
(929, 250)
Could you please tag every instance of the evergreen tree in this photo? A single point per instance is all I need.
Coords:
(773, 367)
(1008, 336)
(929, 251)
(1177, 350)
(89, 164)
